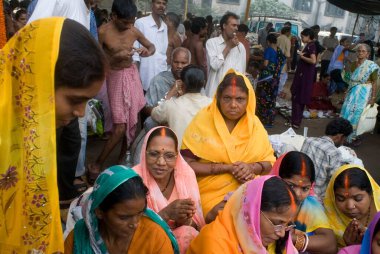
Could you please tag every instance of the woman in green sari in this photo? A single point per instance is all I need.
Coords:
(361, 77)
(116, 219)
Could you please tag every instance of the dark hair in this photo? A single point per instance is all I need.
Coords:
(308, 32)
(197, 24)
(134, 188)
(19, 13)
(24, 4)
(226, 17)
(124, 9)
(333, 28)
(339, 126)
(80, 61)
(376, 229)
(100, 17)
(227, 82)
(275, 197)
(343, 40)
(316, 27)
(168, 133)
(243, 28)
(187, 25)
(287, 23)
(194, 78)
(209, 19)
(356, 178)
(325, 75)
(174, 18)
(285, 29)
(294, 163)
(272, 39)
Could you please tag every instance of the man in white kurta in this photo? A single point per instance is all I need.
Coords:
(156, 31)
(223, 53)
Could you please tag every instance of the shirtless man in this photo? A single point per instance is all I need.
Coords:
(174, 40)
(124, 87)
(196, 45)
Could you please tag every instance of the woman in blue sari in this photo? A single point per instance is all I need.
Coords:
(362, 78)
(267, 86)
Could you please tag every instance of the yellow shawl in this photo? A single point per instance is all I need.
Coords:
(208, 137)
(338, 220)
(29, 210)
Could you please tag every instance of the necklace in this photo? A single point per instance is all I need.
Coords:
(170, 177)
(369, 213)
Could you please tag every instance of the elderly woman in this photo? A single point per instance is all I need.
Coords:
(362, 78)
(116, 219)
(312, 225)
(256, 219)
(352, 200)
(173, 189)
(48, 71)
(226, 144)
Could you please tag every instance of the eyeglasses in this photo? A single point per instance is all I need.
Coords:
(168, 157)
(360, 50)
(279, 228)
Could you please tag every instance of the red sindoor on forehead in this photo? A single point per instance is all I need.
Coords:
(293, 203)
(303, 168)
(346, 184)
(163, 132)
(233, 82)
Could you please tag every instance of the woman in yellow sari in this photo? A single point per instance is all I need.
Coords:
(48, 71)
(352, 200)
(226, 144)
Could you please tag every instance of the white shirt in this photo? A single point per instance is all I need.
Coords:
(72, 9)
(178, 112)
(218, 66)
(151, 66)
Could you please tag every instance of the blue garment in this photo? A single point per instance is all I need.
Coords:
(271, 55)
(93, 27)
(334, 64)
(31, 7)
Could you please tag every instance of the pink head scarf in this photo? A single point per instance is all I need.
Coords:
(247, 220)
(185, 183)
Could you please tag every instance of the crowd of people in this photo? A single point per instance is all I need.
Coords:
(200, 174)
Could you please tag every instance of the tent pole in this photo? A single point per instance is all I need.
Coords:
(353, 30)
(247, 10)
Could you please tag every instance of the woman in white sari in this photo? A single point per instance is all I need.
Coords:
(362, 78)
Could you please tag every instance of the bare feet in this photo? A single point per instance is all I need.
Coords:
(93, 171)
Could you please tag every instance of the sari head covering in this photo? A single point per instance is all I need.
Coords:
(185, 183)
(208, 138)
(369, 234)
(338, 220)
(238, 225)
(311, 214)
(29, 209)
(87, 235)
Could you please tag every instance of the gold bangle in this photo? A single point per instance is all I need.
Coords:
(300, 242)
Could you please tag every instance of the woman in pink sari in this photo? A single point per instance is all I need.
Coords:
(172, 184)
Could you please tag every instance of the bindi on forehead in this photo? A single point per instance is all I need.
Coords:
(233, 83)
(346, 186)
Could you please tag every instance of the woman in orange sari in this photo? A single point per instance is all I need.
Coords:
(256, 219)
(226, 144)
(48, 71)
(173, 189)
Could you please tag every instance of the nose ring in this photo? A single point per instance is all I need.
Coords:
(354, 206)
(131, 226)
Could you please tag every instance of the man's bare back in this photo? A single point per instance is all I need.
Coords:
(118, 45)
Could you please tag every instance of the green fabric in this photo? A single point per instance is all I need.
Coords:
(87, 239)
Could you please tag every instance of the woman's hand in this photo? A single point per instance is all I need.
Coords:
(181, 211)
(242, 172)
(353, 233)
